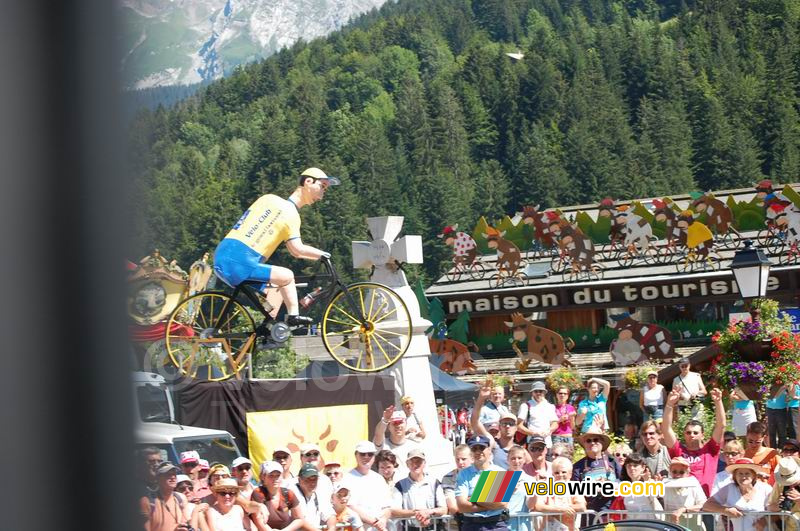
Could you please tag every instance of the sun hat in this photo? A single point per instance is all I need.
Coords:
(743, 462)
(226, 485)
(680, 461)
(594, 432)
(318, 174)
(538, 386)
(219, 469)
(788, 471)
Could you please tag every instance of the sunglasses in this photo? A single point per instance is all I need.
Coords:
(366, 454)
(508, 424)
(594, 440)
(730, 454)
(537, 449)
(182, 488)
(478, 448)
(538, 391)
(191, 464)
(311, 454)
(620, 455)
(280, 457)
(680, 472)
(684, 366)
(562, 393)
(650, 434)
(227, 493)
(242, 468)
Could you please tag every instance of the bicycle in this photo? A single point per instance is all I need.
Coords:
(366, 327)
(691, 261)
(457, 270)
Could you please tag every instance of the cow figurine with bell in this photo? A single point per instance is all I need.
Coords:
(639, 342)
(544, 345)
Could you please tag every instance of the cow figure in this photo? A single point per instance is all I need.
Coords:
(457, 358)
(698, 236)
(578, 247)
(540, 220)
(465, 250)
(607, 210)
(664, 213)
(509, 258)
(544, 345)
(719, 216)
(639, 342)
(636, 229)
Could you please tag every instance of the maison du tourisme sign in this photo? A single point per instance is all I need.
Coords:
(636, 292)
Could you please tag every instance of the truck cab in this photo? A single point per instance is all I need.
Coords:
(156, 425)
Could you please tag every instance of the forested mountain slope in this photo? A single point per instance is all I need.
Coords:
(420, 111)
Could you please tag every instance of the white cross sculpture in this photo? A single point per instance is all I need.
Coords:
(385, 251)
(412, 374)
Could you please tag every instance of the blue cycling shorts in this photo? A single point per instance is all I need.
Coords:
(235, 262)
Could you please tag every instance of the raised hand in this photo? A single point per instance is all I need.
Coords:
(716, 395)
(673, 397)
(387, 413)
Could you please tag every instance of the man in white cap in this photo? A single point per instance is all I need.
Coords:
(268, 222)
(507, 429)
(397, 442)
(419, 495)
(190, 464)
(369, 497)
(537, 416)
(242, 470)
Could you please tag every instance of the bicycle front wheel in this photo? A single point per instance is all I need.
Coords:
(205, 344)
(367, 327)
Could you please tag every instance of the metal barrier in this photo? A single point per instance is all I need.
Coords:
(776, 521)
(518, 521)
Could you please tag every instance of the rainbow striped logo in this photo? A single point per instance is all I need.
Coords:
(495, 486)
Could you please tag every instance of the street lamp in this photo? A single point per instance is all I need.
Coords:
(751, 269)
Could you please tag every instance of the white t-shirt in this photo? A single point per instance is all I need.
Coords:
(730, 496)
(232, 521)
(654, 396)
(539, 417)
(324, 486)
(691, 385)
(400, 451)
(368, 492)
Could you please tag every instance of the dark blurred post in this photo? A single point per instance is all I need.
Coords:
(64, 394)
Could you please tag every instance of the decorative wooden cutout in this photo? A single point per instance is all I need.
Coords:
(531, 215)
(698, 237)
(155, 288)
(637, 231)
(509, 259)
(465, 250)
(787, 221)
(457, 358)
(639, 342)
(718, 215)
(578, 247)
(665, 213)
(544, 345)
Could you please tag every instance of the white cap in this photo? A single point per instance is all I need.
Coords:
(183, 477)
(283, 449)
(241, 461)
(308, 447)
(190, 456)
(268, 467)
(366, 447)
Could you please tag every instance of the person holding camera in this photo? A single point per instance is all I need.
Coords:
(785, 496)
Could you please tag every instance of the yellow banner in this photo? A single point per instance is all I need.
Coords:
(335, 429)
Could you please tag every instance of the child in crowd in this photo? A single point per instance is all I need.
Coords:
(345, 517)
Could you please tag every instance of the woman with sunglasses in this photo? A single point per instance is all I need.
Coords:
(566, 418)
(732, 451)
(683, 494)
(195, 508)
(281, 508)
(619, 452)
(651, 400)
(636, 470)
(224, 514)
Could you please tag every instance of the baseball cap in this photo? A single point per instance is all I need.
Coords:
(308, 470)
(340, 486)
(653, 372)
(397, 417)
(492, 426)
(538, 386)
(166, 468)
(416, 452)
(203, 464)
(508, 415)
(268, 467)
(366, 447)
(537, 440)
(241, 461)
(478, 440)
(317, 173)
(281, 449)
(183, 477)
(308, 447)
(220, 469)
(684, 361)
(332, 463)
(190, 457)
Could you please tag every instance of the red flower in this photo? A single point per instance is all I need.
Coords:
(782, 369)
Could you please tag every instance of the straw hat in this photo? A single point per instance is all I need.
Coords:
(744, 462)
(788, 471)
(594, 432)
(226, 485)
(680, 461)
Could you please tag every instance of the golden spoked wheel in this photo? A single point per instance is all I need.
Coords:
(204, 345)
(366, 328)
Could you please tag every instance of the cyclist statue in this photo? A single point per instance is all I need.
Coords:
(267, 223)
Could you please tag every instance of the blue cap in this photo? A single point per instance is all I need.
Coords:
(479, 440)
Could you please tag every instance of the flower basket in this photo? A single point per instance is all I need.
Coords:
(636, 377)
(564, 377)
(754, 350)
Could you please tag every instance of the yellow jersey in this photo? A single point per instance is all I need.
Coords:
(270, 221)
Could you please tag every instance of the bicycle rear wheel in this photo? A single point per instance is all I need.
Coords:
(204, 344)
(367, 327)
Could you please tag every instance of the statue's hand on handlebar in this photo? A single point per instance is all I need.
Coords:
(325, 256)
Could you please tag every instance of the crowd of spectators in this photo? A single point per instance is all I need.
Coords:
(706, 476)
